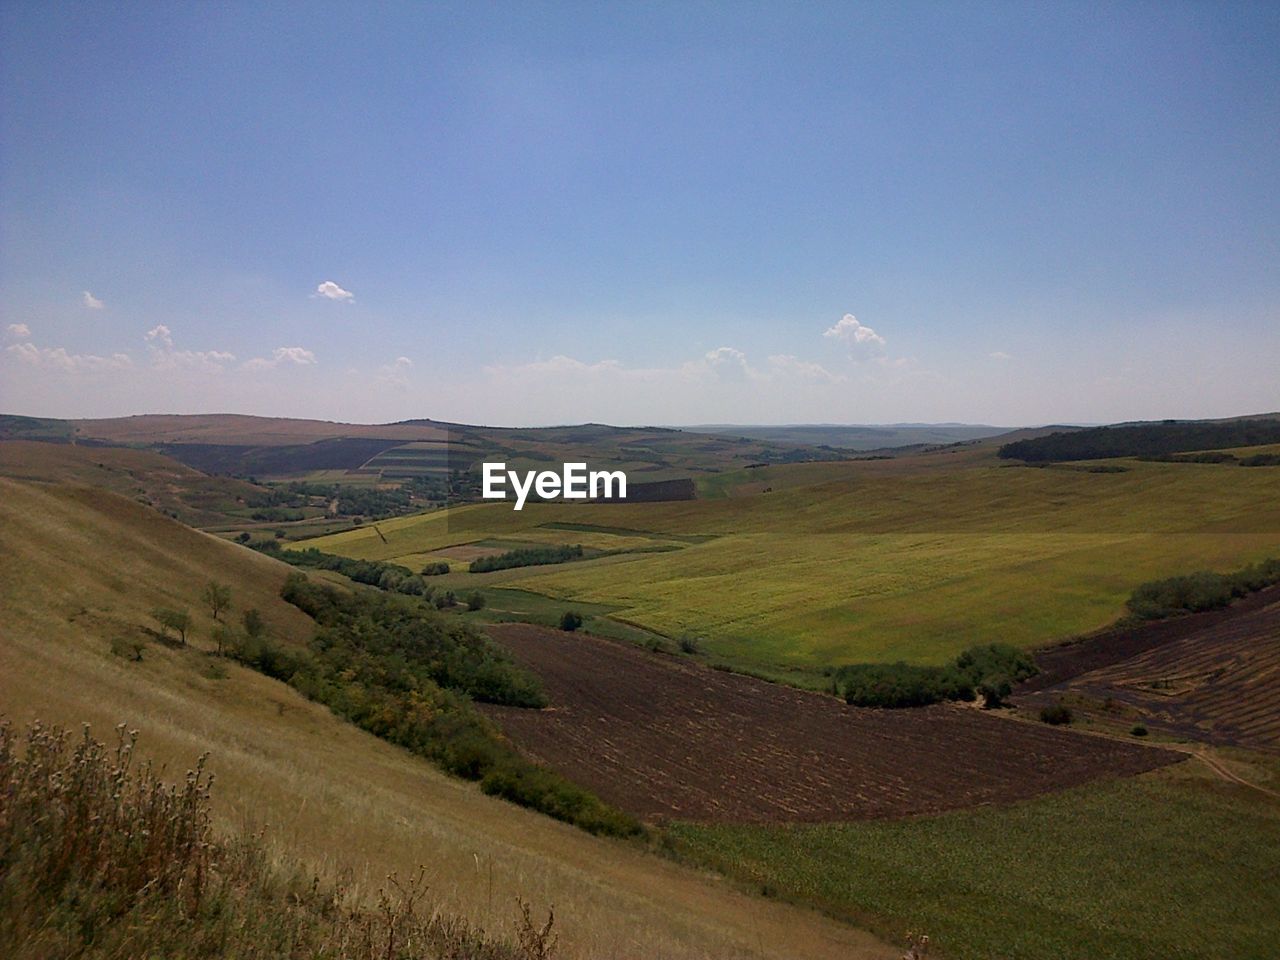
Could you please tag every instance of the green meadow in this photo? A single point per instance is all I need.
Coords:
(1171, 864)
(797, 567)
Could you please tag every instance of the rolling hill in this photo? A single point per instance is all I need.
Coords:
(81, 567)
(797, 567)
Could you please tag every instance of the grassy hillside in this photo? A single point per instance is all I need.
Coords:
(79, 568)
(169, 486)
(806, 565)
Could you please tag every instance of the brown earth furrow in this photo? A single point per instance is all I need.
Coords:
(671, 739)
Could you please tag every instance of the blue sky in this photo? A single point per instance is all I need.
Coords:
(641, 212)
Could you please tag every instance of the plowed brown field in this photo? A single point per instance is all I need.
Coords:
(1212, 677)
(666, 738)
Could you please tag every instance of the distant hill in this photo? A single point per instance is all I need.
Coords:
(280, 448)
(858, 437)
(1144, 440)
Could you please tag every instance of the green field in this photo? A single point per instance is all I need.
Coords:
(914, 558)
(1170, 865)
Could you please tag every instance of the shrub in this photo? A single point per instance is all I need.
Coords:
(407, 675)
(1056, 714)
(1196, 592)
(217, 596)
(991, 669)
(130, 648)
(1261, 460)
(412, 586)
(1186, 594)
(570, 621)
(1138, 730)
(224, 637)
(102, 858)
(526, 557)
(179, 621)
(253, 623)
(435, 569)
(995, 690)
(474, 600)
(690, 645)
(529, 786)
(901, 684)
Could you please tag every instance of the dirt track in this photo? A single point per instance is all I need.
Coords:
(667, 738)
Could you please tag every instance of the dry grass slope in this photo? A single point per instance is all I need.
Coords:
(79, 567)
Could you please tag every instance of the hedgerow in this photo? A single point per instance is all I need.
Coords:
(1203, 590)
(990, 669)
(396, 669)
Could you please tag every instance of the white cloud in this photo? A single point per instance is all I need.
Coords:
(896, 362)
(19, 330)
(724, 365)
(331, 291)
(786, 365)
(92, 302)
(160, 334)
(395, 373)
(164, 356)
(297, 356)
(58, 358)
(853, 332)
(1001, 355)
(729, 362)
(557, 365)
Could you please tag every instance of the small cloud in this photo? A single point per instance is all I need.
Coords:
(1001, 355)
(57, 358)
(897, 363)
(297, 356)
(730, 363)
(726, 355)
(19, 330)
(164, 356)
(853, 332)
(160, 334)
(784, 364)
(331, 291)
(91, 302)
(396, 372)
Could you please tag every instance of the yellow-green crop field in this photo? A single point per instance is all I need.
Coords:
(801, 566)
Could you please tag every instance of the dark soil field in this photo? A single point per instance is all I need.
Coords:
(667, 738)
(1212, 676)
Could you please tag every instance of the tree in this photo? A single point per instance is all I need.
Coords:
(218, 597)
(994, 690)
(254, 626)
(475, 600)
(571, 621)
(224, 636)
(178, 621)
